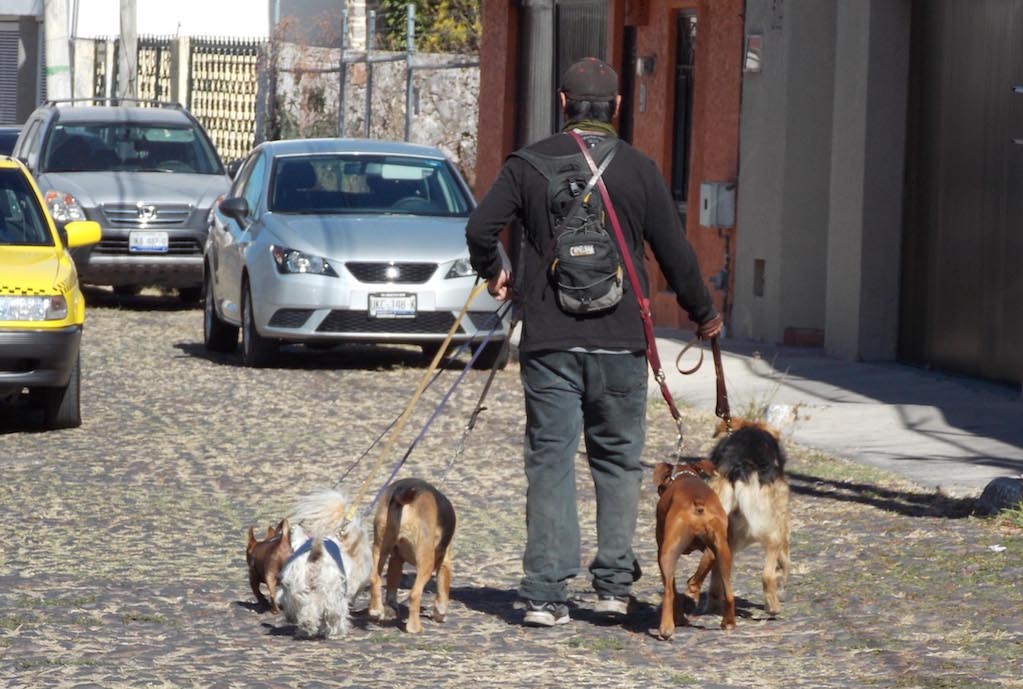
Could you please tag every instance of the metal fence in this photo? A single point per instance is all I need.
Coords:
(244, 91)
(154, 67)
(222, 84)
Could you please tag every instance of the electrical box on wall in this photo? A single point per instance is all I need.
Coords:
(717, 204)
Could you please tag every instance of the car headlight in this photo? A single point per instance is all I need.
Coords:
(461, 269)
(63, 207)
(33, 308)
(293, 261)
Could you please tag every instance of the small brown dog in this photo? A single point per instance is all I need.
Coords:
(689, 517)
(414, 523)
(265, 560)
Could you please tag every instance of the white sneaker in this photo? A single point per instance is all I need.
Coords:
(545, 614)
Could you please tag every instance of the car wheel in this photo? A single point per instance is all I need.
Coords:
(127, 290)
(61, 406)
(256, 349)
(430, 350)
(218, 335)
(190, 295)
(494, 355)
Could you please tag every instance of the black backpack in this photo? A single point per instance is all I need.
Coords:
(586, 265)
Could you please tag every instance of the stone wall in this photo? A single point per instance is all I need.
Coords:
(445, 100)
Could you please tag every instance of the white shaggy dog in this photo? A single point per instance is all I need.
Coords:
(328, 568)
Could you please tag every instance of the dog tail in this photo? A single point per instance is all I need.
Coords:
(405, 495)
(316, 549)
(323, 512)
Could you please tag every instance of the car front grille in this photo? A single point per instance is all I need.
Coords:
(176, 246)
(129, 215)
(339, 321)
(290, 318)
(408, 273)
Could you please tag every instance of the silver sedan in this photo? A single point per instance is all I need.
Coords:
(324, 241)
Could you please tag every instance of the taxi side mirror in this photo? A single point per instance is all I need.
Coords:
(82, 232)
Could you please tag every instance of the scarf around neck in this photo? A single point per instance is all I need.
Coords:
(591, 125)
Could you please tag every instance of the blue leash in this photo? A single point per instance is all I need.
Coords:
(497, 316)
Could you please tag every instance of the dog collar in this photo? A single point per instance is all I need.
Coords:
(684, 468)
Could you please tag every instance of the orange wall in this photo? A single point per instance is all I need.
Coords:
(715, 142)
(498, 93)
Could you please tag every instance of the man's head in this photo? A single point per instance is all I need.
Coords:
(589, 91)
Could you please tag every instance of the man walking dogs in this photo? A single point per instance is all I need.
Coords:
(582, 348)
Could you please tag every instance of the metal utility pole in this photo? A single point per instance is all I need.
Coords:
(58, 58)
(127, 60)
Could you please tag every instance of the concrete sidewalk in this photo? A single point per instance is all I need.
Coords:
(936, 429)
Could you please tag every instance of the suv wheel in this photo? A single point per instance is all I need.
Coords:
(218, 335)
(190, 295)
(61, 406)
(256, 350)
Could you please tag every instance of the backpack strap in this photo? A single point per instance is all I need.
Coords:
(644, 304)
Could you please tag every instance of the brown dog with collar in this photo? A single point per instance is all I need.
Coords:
(414, 523)
(690, 517)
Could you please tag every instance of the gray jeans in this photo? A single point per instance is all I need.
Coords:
(604, 397)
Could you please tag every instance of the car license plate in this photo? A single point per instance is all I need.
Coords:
(148, 242)
(392, 305)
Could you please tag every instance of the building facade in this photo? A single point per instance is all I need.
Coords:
(864, 158)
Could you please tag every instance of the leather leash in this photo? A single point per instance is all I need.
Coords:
(721, 408)
(644, 304)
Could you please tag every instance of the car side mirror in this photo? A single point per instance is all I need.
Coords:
(235, 207)
(233, 167)
(81, 232)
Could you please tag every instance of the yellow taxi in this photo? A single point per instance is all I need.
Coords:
(41, 306)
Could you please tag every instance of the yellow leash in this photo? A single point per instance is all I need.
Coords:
(400, 424)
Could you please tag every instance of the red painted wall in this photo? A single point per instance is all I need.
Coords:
(715, 141)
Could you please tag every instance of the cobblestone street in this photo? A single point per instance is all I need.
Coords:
(122, 559)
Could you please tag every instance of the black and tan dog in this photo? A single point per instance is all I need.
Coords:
(749, 479)
(414, 523)
(265, 559)
(690, 517)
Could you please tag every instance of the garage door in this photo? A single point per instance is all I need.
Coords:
(962, 289)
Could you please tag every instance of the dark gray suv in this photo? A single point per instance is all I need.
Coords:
(147, 175)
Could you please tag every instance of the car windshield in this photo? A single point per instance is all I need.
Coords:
(129, 147)
(21, 219)
(366, 184)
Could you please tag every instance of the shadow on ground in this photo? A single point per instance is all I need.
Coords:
(897, 501)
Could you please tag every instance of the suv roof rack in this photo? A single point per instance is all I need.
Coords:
(115, 101)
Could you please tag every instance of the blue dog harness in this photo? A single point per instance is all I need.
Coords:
(332, 547)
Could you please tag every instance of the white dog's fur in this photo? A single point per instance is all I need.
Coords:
(313, 592)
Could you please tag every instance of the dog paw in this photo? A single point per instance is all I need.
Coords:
(665, 633)
(384, 613)
(438, 616)
(413, 627)
(728, 624)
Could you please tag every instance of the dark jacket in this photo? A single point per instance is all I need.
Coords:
(646, 212)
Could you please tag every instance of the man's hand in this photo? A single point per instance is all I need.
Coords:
(498, 286)
(710, 327)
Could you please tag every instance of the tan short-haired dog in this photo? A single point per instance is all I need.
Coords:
(690, 517)
(414, 523)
